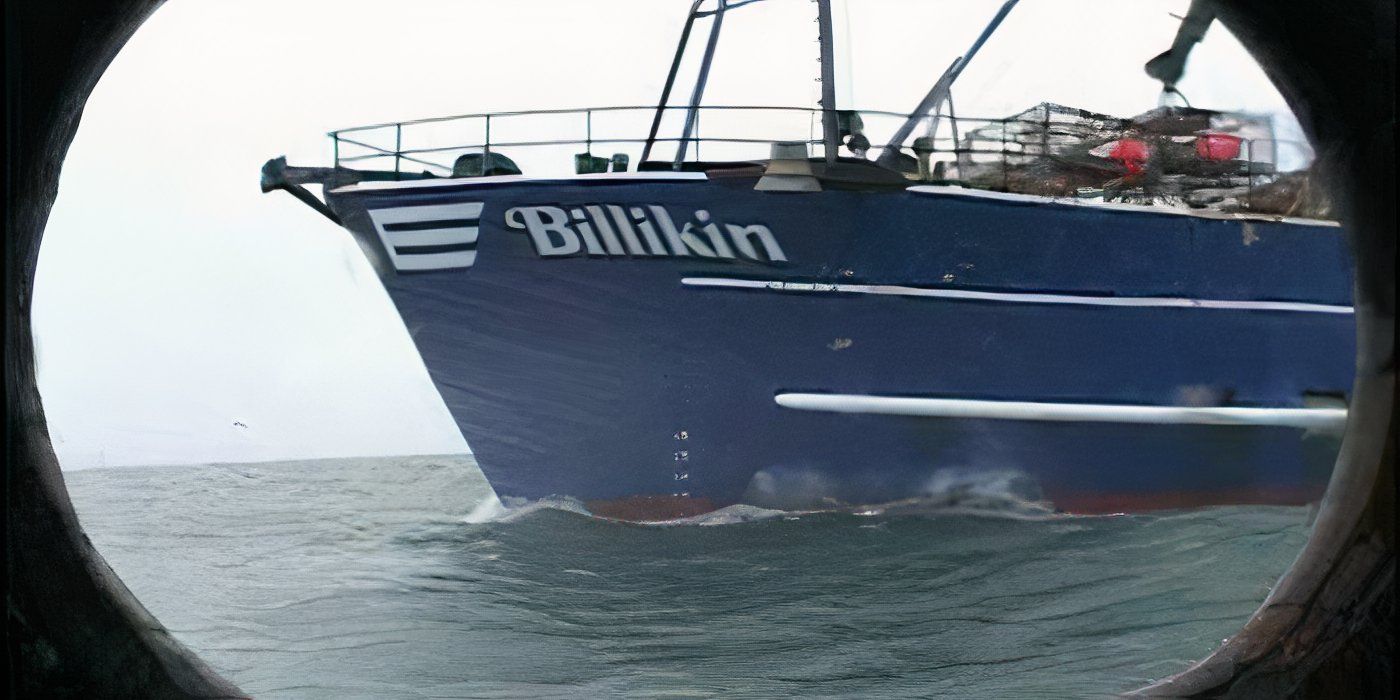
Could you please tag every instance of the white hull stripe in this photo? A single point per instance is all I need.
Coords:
(1014, 297)
(439, 261)
(1325, 419)
(429, 237)
(441, 236)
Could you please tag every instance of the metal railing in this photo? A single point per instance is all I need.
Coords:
(978, 152)
(394, 131)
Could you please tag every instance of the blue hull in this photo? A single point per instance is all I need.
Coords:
(625, 368)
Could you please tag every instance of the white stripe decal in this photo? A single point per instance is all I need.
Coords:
(436, 261)
(437, 236)
(449, 217)
(430, 212)
(1328, 419)
(1014, 297)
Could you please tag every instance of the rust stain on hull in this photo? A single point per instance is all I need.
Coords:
(650, 509)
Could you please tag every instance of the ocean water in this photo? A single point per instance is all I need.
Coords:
(386, 578)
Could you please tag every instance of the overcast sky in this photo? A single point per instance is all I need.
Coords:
(183, 317)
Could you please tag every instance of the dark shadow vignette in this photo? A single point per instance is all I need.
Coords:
(74, 630)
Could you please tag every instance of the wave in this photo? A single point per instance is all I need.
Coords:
(496, 510)
(728, 515)
(493, 510)
(1004, 493)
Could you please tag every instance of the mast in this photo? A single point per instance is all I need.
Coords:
(830, 134)
(830, 126)
(670, 82)
(693, 111)
(941, 89)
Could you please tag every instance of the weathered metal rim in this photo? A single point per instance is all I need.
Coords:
(1347, 565)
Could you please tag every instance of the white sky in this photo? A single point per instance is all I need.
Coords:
(181, 316)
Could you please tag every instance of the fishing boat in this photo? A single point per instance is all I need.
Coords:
(1092, 312)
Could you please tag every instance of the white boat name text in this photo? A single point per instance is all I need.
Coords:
(607, 230)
